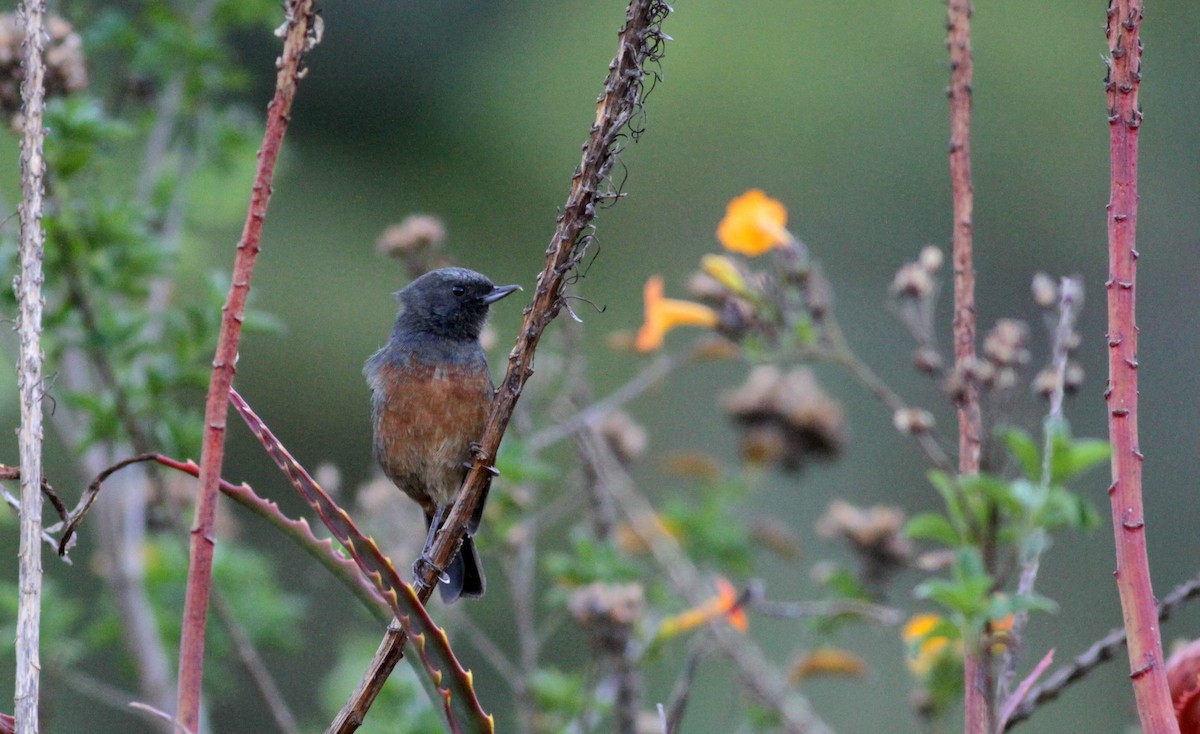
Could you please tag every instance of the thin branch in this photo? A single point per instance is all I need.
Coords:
(1101, 651)
(301, 32)
(1070, 299)
(254, 666)
(640, 44)
(28, 288)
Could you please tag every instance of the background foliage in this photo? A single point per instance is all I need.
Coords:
(837, 109)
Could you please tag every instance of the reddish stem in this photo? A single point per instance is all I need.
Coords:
(977, 686)
(298, 39)
(1133, 568)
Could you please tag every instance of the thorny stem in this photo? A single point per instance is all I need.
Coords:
(1147, 673)
(300, 35)
(28, 288)
(641, 43)
(976, 674)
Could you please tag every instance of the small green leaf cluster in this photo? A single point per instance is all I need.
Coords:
(1007, 518)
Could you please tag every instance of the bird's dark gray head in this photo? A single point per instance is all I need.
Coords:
(449, 302)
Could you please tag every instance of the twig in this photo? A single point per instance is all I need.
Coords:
(887, 616)
(301, 32)
(641, 43)
(1101, 651)
(28, 288)
(682, 692)
(1147, 673)
(651, 375)
(252, 662)
(1070, 298)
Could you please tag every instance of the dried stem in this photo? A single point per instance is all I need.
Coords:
(640, 43)
(1133, 568)
(300, 34)
(28, 287)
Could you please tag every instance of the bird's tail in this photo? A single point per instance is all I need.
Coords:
(464, 577)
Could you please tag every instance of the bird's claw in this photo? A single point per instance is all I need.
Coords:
(424, 568)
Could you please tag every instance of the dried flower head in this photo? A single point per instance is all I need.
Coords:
(787, 418)
(1007, 343)
(66, 67)
(913, 421)
(624, 435)
(776, 536)
(912, 281)
(875, 534)
(608, 605)
(1045, 291)
(411, 234)
(931, 259)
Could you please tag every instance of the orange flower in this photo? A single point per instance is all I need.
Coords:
(724, 604)
(926, 646)
(664, 314)
(828, 661)
(754, 223)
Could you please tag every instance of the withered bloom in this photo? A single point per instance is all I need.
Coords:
(875, 534)
(786, 418)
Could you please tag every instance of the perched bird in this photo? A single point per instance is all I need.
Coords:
(431, 391)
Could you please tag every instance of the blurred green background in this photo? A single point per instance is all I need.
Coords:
(475, 112)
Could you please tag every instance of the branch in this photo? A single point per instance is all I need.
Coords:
(1133, 567)
(28, 287)
(1101, 651)
(641, 43)
(301, 32)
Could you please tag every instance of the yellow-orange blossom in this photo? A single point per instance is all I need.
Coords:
(754, 223)
(664, 314)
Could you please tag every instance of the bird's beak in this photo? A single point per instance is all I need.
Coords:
(499, 292)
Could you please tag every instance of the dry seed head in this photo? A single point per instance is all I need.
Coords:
(1045, 291)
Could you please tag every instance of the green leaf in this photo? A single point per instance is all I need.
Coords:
(934, 527)
(946, 487)
(1077, 456)
(1021, 445)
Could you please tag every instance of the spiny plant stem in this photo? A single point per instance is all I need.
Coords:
(299, 36)
(970, 424)
(1133, 568)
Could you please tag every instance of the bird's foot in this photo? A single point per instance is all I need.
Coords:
(423, 569)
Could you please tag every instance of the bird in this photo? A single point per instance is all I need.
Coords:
(430, 393)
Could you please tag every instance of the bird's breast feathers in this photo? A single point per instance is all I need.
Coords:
(426, 416)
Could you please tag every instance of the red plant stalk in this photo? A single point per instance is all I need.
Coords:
(300, 35)
(970, 423)
(1138, 605)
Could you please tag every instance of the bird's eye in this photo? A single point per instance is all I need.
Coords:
(458, 291)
